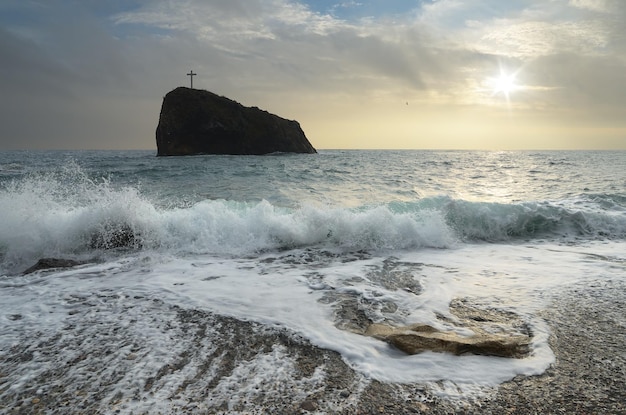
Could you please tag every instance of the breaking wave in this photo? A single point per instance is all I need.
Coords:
(68, 213)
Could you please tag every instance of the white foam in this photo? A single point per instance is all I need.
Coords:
(59, 214)
(267, 376)
(516, 278)
(285, 289)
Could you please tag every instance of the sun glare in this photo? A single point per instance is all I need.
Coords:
(504, 84)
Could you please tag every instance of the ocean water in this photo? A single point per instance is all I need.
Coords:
(315, 244)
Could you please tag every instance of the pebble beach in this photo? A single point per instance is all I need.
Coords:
(221, 355)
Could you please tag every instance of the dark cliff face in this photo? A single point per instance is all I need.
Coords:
(194, 121)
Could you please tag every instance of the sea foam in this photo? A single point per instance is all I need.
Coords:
(69, 214)
(287, 258)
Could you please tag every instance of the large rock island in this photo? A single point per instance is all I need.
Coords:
(194, 121)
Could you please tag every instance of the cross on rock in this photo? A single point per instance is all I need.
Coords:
(191, 75)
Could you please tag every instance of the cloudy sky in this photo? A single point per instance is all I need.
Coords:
(444, 74)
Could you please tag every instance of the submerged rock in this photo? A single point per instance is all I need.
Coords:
(195, 121)
(420, 338)
(49, 263)
(114, 237)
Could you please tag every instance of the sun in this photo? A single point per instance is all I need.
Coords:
(504, 84)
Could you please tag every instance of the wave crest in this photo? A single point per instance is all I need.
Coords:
(68, 213)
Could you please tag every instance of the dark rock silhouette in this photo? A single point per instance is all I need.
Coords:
(194, 121)
(48, 263)
(114, 236)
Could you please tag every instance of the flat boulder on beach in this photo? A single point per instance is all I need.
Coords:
(420, 338)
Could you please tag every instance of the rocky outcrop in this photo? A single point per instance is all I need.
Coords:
(115, 236)
(50, 263)
(195, 121)
(419, 338)
(493, 333)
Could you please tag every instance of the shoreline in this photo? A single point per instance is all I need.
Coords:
(589, 341)
(231, 366)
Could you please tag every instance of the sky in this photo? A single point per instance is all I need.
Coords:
(377, 74)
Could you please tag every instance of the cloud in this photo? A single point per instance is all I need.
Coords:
(603, 6)
(593, 84)
(567, 53)
(286, 43)
(27, 68)
(529, 39)
(302, 62)
(233, 21)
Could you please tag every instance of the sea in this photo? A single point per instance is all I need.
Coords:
(319, 245)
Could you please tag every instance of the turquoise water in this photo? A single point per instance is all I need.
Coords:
(291, 240)
(343, 178)
(52, 203)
